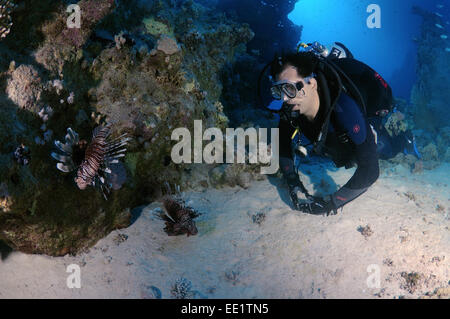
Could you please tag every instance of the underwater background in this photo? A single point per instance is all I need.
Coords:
(391, 49)
(146, 67)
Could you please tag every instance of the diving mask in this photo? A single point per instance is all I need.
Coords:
(286, 87)
(291, 89)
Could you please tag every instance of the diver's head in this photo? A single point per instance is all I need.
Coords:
(294, 82)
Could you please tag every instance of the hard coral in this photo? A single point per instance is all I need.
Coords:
(396, 124)
(168, 45)
(157, 28)
(92, 12)
(447, 155)
(430, 94)
(63, 44)
(430, 153)
(181, 289)
(24, 87)
(22, 155)
(412, 281)
(193, 40)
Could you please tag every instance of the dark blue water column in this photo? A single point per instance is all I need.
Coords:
(390, 49)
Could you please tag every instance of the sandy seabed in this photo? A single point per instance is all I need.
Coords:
(392, 242)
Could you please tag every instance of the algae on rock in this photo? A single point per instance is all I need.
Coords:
(144, 94)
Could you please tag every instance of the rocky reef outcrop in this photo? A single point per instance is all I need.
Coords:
(430, 94)
(145, 67)
(426, 114)
(269, 20)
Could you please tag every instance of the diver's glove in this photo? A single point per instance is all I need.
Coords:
(295, 185)
(318, 206)
(294, 198)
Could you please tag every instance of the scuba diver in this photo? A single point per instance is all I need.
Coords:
(332, 105)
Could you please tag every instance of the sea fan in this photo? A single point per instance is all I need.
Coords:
(92, 161)
(6, 7)
(178, 218)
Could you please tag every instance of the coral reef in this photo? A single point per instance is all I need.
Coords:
(430, 94)
(418, 167)
(447, 155)
(114, 69)
(412, 281)
(430, 153)
(438, 293)
(182, 289)
(366, 231)
(157, 28)
(426, 113)
(274, 33)
(258, 218)
(24, 87)
(22, 155)
(167, 45)
(64, 44)
(395, 124)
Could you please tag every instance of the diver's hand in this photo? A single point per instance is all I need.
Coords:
(318, 206)
(295, 186)
(294, 198)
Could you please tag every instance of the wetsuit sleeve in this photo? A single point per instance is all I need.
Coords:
(285, 132)
(367, 172)
(286, 162)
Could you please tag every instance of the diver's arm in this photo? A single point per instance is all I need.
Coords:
(366, 174)
(351, 118)
(286, 161)
(286, 130)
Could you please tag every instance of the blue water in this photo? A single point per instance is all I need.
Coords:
(390, 49)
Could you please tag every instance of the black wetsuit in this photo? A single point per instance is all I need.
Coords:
(349, 141)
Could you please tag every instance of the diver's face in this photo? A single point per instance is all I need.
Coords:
(306, 100)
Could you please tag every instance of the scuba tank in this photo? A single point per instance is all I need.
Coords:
(338, 50)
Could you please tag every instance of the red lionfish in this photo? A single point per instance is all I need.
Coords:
(91, 160)
(6, 8)
(179, 219)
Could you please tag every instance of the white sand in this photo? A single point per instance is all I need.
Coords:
(289, 255)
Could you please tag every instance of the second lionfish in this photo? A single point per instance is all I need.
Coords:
(92, 161)
(6, 8)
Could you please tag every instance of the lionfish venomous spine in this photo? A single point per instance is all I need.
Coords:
(92, 161)
(6, 7)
